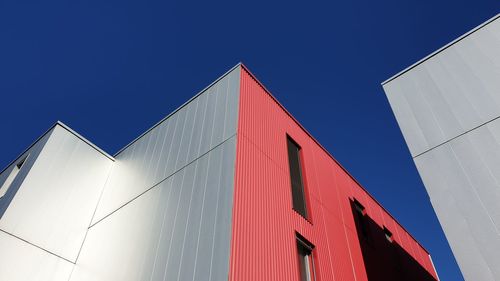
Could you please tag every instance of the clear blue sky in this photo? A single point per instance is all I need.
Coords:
(110, 69)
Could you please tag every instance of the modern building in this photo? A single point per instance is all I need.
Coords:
(448, 108)
(227, 187)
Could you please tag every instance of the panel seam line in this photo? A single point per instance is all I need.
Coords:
(457, 136)
(36, 246)
(155, 185)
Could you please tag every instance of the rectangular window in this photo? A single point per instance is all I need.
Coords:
(10, 178)
(306, 263)
(298, 194)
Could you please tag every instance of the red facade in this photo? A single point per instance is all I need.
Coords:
(265, 226)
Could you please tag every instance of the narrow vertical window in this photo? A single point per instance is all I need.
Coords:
(305, 259)
(298, 194)
(10, 178)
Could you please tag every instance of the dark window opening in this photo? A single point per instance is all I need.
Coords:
(298, 194)
(10, 178)
(305, 259)
(360, 218)
(388, 234)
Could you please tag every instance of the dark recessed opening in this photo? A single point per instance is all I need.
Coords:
(296, 177)
(388, 234)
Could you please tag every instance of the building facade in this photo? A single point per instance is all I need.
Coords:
(447, 106)
(228, 187)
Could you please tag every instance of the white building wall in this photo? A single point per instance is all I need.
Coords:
(447, 107)
(160, 210)
(47, 209)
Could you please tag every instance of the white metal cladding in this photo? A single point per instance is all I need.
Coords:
(198, 126)
(178, 230)
(20, 261)
(162, 210)
(448, 108)
(55, 203)
(33, 153)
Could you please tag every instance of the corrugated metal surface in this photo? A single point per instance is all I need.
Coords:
(54, 205)
(194, 129)
(20, 261)
(448, 107)
(178, 230)
(264, 223)
(451, 93)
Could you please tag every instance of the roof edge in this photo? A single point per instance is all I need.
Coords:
(441, 49)
(178, 108)
(67, 128)
(64, 126)
(330, 155)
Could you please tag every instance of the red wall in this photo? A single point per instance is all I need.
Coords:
(264, 223)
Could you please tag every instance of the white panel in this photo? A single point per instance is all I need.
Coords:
(55, 203)
(20, 261)
(31, 154)
(178, 230)
(194, 129)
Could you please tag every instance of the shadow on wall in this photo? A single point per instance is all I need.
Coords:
(384, 258)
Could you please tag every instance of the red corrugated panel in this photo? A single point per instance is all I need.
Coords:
(264, 223)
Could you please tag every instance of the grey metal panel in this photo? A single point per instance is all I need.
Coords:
(461, 212)
(178, 230)
(53, 206)
(450, 93)
(20, 261)
(448, 108)
(408, 124)
(200, 125)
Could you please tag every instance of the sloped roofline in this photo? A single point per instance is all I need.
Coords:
(441, 49)
(179, 108)
(331, 156)
(67, 128)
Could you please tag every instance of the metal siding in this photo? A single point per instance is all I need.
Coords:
(197, 127)
(178, 230)
(459, 87)
(33, 152)
(56, 200)
(264, 223)
(451, 92)
(21, 261)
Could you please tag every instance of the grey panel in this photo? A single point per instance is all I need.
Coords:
(178, 230)
(200, 125)
(54, 205)
(20, 261)
(448, 108)
(461, 212)
(451, 92)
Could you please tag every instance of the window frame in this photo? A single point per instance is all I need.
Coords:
(304, 246)
(306, 214)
